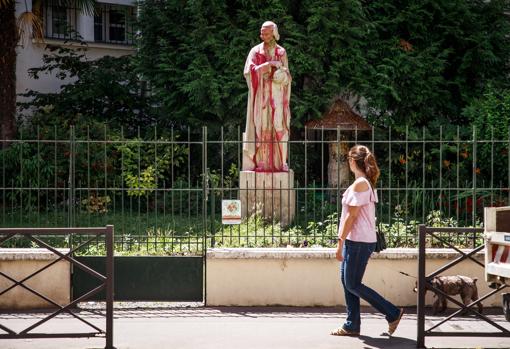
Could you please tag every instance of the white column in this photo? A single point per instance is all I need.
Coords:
(85, 26)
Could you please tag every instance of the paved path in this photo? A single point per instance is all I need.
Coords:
(246, 328)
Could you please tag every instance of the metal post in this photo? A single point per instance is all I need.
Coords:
(213, 217)
(338, 200)
(420, 340)
(306, 177)
(407, 178)
(423, 176)
(109, 286)
(457, 169)
(389, 174)
(205, 184)
(71, 198)
(441, 169)
(473, 206)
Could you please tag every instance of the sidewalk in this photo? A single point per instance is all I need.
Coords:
(251, 328)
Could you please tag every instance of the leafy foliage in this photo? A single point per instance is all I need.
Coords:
(144, 165)
(183, 237)
(96, 204)
(491, 116)
(428, 59)
(410, 61)
(106, 90)
(98, 122)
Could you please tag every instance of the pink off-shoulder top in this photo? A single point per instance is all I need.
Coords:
(363, 229)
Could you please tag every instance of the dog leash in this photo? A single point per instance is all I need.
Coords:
(406, 274)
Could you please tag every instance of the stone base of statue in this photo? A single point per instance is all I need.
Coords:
(270, 194)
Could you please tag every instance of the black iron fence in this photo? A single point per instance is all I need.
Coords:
(426, 234)
(163, 188)
(36, 236)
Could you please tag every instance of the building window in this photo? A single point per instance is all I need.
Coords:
(59, 20)
(113, 24)
(98, 24)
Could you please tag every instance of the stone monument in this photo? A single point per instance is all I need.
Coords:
(266, 182)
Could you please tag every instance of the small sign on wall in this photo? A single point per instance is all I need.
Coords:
(231, 211)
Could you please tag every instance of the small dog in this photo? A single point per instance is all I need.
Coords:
(453, 285)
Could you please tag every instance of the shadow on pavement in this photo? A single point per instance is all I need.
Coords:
(388, 342)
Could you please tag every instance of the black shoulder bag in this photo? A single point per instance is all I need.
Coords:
(380, 245)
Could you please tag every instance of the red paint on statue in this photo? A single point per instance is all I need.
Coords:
(265, 113)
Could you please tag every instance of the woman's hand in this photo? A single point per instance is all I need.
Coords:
(339, 254)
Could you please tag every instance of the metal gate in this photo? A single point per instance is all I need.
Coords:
(146, 278)
(103, 281)
(158, 262)
(424, 284)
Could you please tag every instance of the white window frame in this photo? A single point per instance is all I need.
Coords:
(106, 26)
(49, 22)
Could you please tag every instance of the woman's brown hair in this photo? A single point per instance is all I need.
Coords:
(365, 160)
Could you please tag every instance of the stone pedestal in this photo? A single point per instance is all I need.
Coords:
(271, 195)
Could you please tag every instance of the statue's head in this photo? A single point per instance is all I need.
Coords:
(269, 32)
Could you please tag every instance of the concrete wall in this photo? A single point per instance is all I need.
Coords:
(54, 282)
(311, 277)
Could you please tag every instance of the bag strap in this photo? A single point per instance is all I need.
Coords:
(373, 193)
(370, 185)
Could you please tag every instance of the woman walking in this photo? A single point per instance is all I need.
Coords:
(356, 242)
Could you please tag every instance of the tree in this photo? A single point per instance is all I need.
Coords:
(194, 61)
(411, 61)
(490, 114)
(104, 91)
(8, 41)
(11, 31)
(427, 60)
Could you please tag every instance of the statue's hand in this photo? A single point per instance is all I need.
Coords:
(276, 64)
(264, 66)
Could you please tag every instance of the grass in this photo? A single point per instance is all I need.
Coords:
(153, 233)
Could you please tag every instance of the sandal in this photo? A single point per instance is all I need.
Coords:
(392, 326)
(343, 332)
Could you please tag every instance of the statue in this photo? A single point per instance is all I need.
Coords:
(268, 113)
(266, 184)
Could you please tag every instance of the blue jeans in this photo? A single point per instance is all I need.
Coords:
(356, 255)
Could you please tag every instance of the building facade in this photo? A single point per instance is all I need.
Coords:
(109, 31)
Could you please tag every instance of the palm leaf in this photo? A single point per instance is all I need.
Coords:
(4, 3)
(85, 6)
(27, 23)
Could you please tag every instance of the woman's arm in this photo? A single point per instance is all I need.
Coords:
(352, 215)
